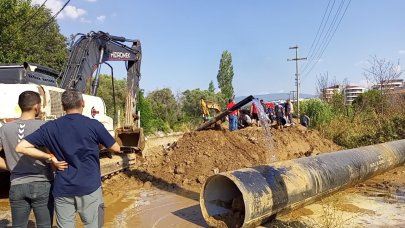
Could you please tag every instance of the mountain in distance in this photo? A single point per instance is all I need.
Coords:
(280, 97)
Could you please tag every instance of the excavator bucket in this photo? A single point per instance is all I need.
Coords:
(130, 139)
(132, 143)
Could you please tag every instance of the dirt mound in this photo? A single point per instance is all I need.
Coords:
(197, 155)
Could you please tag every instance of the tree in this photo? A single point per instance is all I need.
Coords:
(322, 82)
(225, 75)
(164, 105)
(381, 72)
(105, 91)
(147, 117)
(190, 103)
(29, 34)
(211, 87)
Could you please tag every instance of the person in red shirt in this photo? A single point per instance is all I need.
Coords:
(254, 113)
(233, 116)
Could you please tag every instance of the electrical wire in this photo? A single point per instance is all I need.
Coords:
(328, 40)
(45, 25)
(33, 15)
(315, 55)
(317, 38)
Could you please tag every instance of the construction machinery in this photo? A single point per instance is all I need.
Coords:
(209, 109)
(82, 72)
(223, 114)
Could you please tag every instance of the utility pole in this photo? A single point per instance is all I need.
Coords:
(292, 98)
(297, 78)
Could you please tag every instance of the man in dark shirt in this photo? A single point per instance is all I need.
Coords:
(74, 138)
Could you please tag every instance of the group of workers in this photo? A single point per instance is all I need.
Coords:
(278, 113)
(54, 165)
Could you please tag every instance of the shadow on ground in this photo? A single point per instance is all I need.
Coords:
(192, 214)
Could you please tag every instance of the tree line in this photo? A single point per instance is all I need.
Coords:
(162, 110)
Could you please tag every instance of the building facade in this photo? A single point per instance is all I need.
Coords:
(351, 92)
(389, 84)
(327, 93)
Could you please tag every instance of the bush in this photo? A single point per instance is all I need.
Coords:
(318, 111)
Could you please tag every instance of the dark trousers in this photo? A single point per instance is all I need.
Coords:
(35, 195)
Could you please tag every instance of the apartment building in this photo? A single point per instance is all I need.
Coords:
(327, 93)
(351, 92)
(389, 84)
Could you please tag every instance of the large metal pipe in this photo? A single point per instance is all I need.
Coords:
(221, 115)
(248, 197)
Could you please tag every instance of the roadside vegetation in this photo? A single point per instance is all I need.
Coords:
(361, 123)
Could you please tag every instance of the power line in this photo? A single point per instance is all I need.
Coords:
(316, 39)
(331, 35)
(325, 38)
(34, 14)
(45, 25)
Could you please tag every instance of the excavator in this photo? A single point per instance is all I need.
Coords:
(82, 72)
(209, 109)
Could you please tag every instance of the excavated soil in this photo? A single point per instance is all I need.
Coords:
(198, 155)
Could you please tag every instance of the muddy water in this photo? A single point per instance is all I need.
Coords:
(156, 208)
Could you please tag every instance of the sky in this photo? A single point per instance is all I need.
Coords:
(182, 41)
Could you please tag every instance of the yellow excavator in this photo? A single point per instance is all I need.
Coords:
(209, 109)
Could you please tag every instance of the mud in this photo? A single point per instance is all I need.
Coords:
(162, 188)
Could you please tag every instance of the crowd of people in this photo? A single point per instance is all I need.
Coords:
(278, 114)
(54, 165)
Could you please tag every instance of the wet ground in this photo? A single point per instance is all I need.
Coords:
(378, 202)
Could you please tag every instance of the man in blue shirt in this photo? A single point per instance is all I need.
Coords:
(74, 138)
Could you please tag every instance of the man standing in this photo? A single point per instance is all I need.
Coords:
(31, 179)
(233, 116)
(254, 113)
(74, 138)
(289, 111)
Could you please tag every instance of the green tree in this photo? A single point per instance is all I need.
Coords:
(369, 101)
(105, 91)
(190, 103)
(338, 104)
(147, 117)
(225, 75)
(211, 87)
(164, 105)
(27, 33)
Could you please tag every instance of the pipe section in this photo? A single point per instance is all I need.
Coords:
(221, 115)
(248, 197)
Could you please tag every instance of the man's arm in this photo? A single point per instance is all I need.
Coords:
(26, 148)
(3, 164)
(115, 148)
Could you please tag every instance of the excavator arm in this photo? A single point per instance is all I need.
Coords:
(88, 52)
(82, 72)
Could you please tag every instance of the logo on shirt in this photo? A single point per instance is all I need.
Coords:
(21, 132)
(94, 112)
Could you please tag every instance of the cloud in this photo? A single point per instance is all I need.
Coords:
(101, 18)
(114, 14)
(401, 52)
(91, 0)
(70, 11)
(84, 20)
